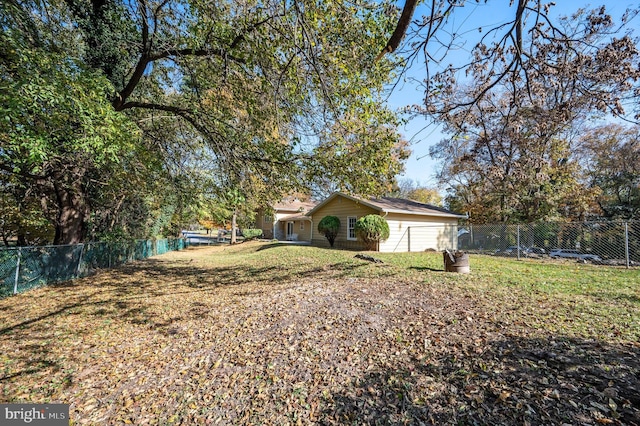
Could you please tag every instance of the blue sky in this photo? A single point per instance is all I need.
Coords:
(420, 167)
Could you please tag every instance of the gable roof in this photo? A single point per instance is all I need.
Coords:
(293, 206)
(393, 205)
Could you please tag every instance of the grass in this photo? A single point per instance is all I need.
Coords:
(276, 333)
(561, 297)
(545, 291)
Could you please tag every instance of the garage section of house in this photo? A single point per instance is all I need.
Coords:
(413, 226)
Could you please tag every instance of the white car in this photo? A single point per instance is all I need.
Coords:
(574, 254)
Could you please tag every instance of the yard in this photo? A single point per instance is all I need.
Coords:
(276, 334)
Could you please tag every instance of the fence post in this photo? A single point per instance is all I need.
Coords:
(408, 239)
(626, 243)
(518, 239)
(79, 260)
(15, 282)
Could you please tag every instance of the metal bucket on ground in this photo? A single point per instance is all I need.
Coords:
(456, 262)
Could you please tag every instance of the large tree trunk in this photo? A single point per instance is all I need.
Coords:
(234, 227)
(73, 212)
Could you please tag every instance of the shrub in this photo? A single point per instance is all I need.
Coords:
(250, 234)
(329, 227)
(372, 229)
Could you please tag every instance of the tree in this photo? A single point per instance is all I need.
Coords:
(511, 167)
(372, 229)
(502, 54)
(251, 84)
(57, 132)
(509, 155)
(610, 157)
(329, 226)
(365, 147)
(413, 190)
(234, 199)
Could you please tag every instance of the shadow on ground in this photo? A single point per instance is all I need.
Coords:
(127, 291)
(510, 382)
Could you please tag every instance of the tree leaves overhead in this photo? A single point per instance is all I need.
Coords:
(529, 48)
(509, 154)
(237, 94)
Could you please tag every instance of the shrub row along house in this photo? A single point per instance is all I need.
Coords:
(413, 226)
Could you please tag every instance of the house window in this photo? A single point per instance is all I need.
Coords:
(302, 225)
(267, 218)
(351, 228)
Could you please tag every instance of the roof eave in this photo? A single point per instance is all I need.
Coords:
(381, 209)
(437, 214)
(350, 197)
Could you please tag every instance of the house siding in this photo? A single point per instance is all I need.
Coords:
(302, 234)
(342, 208)
(427, 232)
(267, 227)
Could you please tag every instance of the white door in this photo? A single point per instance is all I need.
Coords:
(289, 229)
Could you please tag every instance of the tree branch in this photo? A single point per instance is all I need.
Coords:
(195, 52)
(401, 28)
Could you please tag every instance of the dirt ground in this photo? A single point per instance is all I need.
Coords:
(172, 341)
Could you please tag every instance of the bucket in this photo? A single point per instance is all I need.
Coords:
(456, 262)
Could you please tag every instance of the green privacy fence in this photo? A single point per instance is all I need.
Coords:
(24, 268)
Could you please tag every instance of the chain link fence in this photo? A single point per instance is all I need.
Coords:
(24, 268)
(611, 243)
(603, 243)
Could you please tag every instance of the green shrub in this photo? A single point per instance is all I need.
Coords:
(250, 233)
(329, 227)
(372, 229)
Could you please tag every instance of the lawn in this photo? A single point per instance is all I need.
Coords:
(278, 334)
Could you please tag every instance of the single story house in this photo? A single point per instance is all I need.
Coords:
(287, 221)
(413, 226)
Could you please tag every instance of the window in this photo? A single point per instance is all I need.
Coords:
(267, 218)
(302, 225)
(351, 228)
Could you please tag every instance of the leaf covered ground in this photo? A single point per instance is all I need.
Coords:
(277, 334)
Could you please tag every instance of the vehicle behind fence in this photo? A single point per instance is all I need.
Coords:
(611, 243)
(24, 268)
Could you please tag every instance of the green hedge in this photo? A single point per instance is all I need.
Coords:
(329, 227)
(250, 234)
(372, 229)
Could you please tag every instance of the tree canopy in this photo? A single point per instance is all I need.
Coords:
(209, 96)
(512, 111)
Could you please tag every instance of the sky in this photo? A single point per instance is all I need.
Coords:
(420, 167)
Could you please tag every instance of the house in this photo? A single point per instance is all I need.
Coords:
(413, 226)
(287, 221)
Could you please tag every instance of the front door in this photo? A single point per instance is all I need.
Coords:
(289, 229)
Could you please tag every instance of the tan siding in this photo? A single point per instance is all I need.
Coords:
(303, 234)
(342, 208)
(426, 233)
(267, 227)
